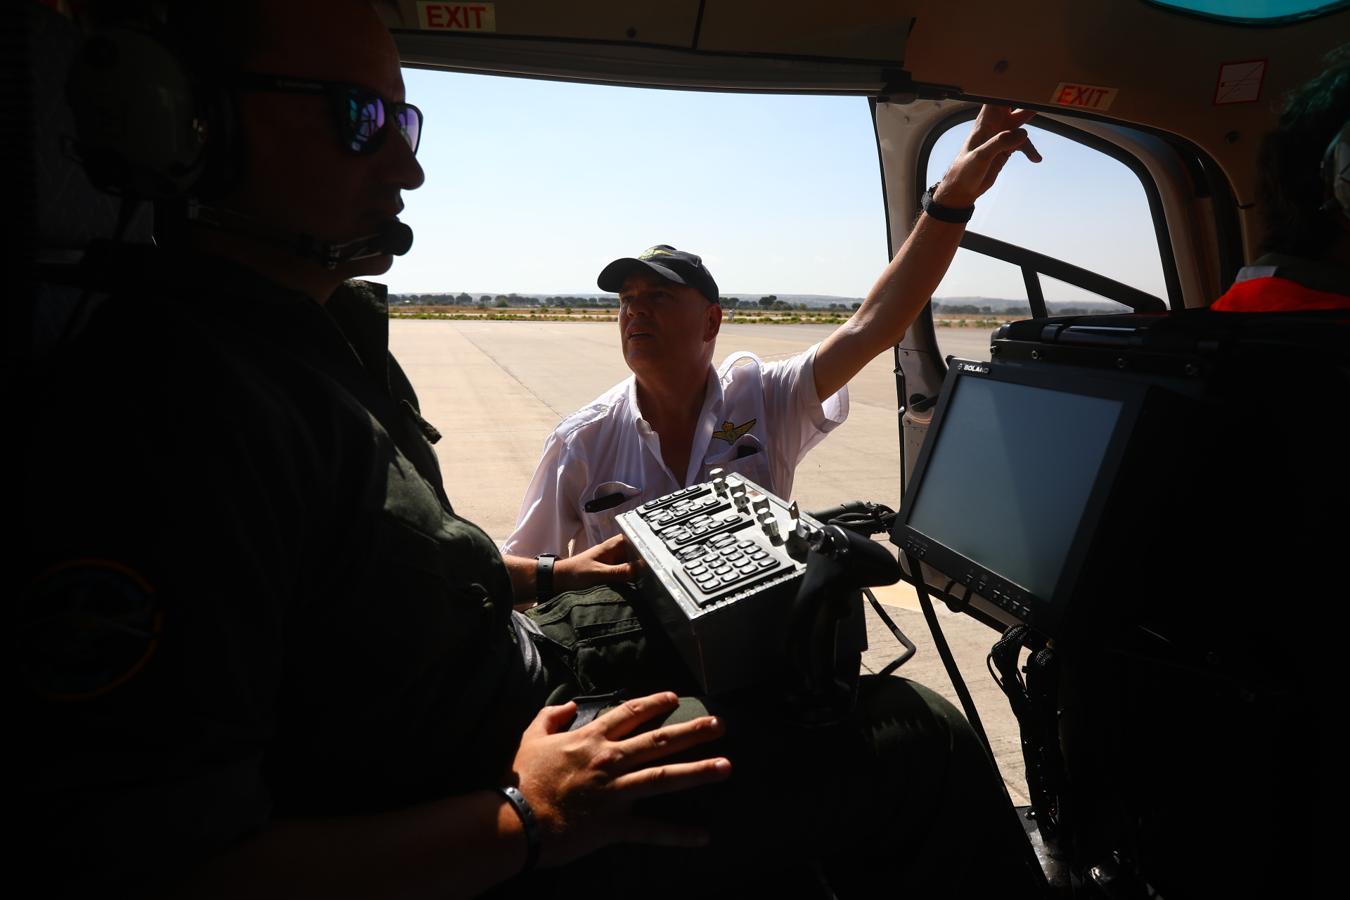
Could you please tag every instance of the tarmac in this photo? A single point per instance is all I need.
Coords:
(496, 390)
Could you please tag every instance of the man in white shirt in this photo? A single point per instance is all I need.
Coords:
(676, 417)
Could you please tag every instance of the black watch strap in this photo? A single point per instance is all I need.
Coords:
(944, 213)
(529, 822)
(543, 576)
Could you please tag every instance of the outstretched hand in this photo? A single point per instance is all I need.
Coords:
(605, 563)
(997, 135)
(582, 784)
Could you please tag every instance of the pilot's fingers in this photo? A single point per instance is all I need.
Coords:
(663, 834)
(1002, 145)
(614, 548)
(994, 118)
(622, 572)
(668, 740)
(553, 719)
(669, 779)
(625, 718)
(1030, 150)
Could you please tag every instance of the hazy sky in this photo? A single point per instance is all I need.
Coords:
(532, 186)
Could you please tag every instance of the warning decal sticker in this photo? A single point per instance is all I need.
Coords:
(1083, 96)
(1240, 82)
(457, 16)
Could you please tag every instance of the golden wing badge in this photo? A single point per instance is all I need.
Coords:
(732, 433)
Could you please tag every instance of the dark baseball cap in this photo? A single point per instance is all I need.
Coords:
(665, 261)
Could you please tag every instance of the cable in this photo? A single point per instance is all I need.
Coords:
(949, 661)
(867, 518)
(1002, 663)
(910, 648)
(967, 702)
(863, 517)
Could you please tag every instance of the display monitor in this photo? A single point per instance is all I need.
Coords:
(1012, 478)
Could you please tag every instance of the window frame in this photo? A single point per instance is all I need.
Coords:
(1030, 261)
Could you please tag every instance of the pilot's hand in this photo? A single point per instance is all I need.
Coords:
(582, 784)
(997, 135)
(605, 563)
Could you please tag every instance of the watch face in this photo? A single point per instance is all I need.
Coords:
(543, 575)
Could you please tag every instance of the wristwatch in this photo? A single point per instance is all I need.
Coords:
(944, 213)
(543, 576)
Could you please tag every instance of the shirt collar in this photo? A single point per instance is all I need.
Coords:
(354, 322)
(713, 399)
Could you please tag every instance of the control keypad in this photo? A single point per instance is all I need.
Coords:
(724, 560)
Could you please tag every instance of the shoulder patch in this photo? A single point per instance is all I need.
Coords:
(85, 627)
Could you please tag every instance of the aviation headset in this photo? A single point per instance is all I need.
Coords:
(150, 125)
(1336, 172)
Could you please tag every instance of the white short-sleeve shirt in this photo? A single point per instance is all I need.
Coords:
(759, 419)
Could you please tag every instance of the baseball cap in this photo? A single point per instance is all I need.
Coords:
(664, 260)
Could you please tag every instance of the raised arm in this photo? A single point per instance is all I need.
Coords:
(898, 296)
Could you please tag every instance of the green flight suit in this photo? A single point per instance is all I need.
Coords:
(248, 597)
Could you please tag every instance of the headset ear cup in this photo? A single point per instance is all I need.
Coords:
(140, 125)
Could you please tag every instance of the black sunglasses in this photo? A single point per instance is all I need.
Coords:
(363, 116)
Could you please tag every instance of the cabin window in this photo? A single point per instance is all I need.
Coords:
(1072, 235)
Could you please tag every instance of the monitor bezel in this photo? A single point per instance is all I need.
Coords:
(1004, 598)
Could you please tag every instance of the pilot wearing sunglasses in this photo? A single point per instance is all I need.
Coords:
(322, 170)
(257, 653)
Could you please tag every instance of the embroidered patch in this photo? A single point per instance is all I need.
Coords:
(86, 627)
(732, 433)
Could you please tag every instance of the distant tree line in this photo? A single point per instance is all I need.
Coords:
(1014, 309)
(502, 301)
(510, 301)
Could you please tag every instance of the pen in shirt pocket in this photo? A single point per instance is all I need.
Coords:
(600, 504)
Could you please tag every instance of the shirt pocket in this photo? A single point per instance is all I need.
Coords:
(748, 457)
(600, 524)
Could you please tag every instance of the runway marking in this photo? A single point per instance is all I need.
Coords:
(514, 377)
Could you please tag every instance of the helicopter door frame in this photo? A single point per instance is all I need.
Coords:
(1191, 203)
